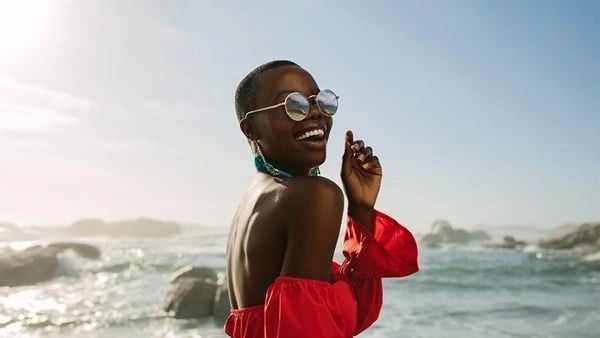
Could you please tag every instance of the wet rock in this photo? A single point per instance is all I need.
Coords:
(572, 237)
(203, 273)
(191, 298)
(83, 250)
(38, 264)
(509, 243)
(586, 249)
(431, 240)
(34, 265)
(442, 232)
(196, 293)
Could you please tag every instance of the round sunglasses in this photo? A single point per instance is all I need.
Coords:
(297, 105)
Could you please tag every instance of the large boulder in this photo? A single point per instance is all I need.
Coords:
(191, 298)
(206, 274)
(573, 237)
(509, 243)
(442, 232)
(38, 264)
(431, 240)
(83, 250)
(140, 227)
(30, 266)
(196, 293)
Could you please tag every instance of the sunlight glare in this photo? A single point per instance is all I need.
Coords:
(24, 25)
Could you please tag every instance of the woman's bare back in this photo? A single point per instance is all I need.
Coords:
(281, 228)
(256, 244)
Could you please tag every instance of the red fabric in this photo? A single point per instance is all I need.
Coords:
(299, 307)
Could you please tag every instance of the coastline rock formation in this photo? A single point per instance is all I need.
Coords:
(582, 239)
(82, 249)
(37, 264)
(196, 293)
(442, 232)
(509, 243)
(140, 227)
(30, 266)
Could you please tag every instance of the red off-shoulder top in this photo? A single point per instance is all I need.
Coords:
(299, 307)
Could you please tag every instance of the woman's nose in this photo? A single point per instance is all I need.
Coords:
(314, 111)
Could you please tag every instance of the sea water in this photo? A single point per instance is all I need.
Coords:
(461, 291)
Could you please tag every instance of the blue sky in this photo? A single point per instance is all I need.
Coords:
(481, 112)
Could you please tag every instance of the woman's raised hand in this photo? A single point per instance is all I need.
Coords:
(361, 174)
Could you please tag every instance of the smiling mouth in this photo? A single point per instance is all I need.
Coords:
(314, 135)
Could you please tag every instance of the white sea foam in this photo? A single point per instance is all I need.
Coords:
(592, 257)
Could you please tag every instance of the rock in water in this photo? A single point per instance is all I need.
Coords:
(509, 243)
(459, 236)
(479, 235)
(206, 274)
(191, 298)
(573, 236)
(196, 294)
(442, 232)
(29, 266)
(83, 250)
(431, 240)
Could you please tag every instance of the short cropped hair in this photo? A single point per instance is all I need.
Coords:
(245, 95)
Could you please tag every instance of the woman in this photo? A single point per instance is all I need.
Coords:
(281, 278)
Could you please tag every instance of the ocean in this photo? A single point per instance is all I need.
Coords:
(461, 291)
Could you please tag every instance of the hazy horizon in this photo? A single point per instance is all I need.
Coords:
(480, 112)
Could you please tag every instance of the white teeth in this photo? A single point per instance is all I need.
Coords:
(310, 133)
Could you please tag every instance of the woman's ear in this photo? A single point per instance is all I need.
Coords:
(248, 129)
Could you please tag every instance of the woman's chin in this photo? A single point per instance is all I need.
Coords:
(313, 145)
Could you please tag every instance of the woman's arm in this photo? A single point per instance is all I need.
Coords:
(315, 206)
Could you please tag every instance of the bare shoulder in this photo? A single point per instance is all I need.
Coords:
(315, 206)
(311, 197)
(316, 188)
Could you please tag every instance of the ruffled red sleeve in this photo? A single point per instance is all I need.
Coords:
(391, 251)
(299, 307)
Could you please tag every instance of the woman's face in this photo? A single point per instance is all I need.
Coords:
(277, 133)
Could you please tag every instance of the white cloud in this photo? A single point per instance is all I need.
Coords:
(26, 107)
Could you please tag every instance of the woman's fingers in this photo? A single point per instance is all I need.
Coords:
(349, 139)
(365, 153)
(362, 153)
(371, 162)
(357, 146)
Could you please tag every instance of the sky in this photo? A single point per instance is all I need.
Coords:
(480, 112)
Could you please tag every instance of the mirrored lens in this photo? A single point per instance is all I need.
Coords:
(327, 101)
(296, 106)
